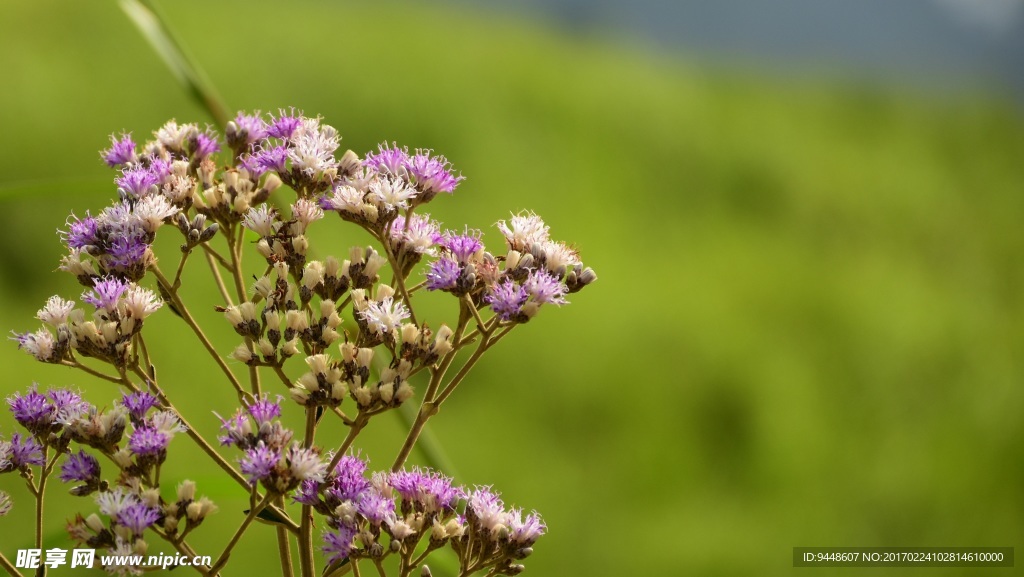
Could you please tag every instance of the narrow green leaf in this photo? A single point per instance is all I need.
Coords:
(150, 22)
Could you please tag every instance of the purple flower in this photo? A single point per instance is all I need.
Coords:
(120, 151)
(139, 403)
(308, 493)
(264, 411)
(507, 299)
(272, 158)
(127, 251)
(251, 127)
(138, 181)
(237, 427)
(80, 467)
(259, 462)
(285, 125)
(81, 232)
(137, 517)
(462, 246)
(524, 532)
(32, 410)
(348, 480)
(205, 145)
(390, 160)
(105, 293)
(338, 543)
(545, 288)
(443, 274)
(486, 508)
(146, 440)
(26, 451)
(432, 174)
(67, 405)
(376, 508)
(430, 489)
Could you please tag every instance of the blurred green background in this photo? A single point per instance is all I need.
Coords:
(810, 314)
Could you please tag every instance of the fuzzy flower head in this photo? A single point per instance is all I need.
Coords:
(148, 441)
(39, 344)
(429, 490)
(268, 158)
(80, 467)
(524, 230)
(507, 299)
(388, 160)
(262, 220)
(137, 517)
(384, 316)
(486, 509)
(338, 543)
(32, 410)
(259, 462)
(348, 480)
(285, 124)
(138, 303)
(138, 181)
(121, 151)
(25, 451)
(106, 293)
(138, 404)
(264, 410)
(81, 232)
(128, 251)
(418, 236)
(305, 464)
(67, 405)
(55, 312)
(5, 456)
(545, 288)
(248, 129)
(313, 146)
(391, 192)
(464, 247)
(443, 274)
(111, 503)
(432, 174)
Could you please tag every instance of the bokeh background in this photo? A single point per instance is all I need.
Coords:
(809, 323)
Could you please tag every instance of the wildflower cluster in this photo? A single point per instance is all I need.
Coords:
(345, 326)
(131, 502)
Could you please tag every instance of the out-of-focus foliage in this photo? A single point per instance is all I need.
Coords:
(810, 317)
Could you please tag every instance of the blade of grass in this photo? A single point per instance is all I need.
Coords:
(153, 26)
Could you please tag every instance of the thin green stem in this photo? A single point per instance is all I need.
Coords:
(306, 519)
(40, 494)
(284, 545)
(223, 559)
(77, 365)
(8, 566)
(183, 310)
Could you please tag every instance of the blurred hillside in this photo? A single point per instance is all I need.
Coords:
(810, 312)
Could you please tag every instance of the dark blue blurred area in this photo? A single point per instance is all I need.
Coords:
(946, 45)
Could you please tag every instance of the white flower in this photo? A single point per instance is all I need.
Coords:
(167, 422)
(151, 211)
(39, 344)
(139, 303)
(261, 221)
(384, 316)
(391, 193)
(558, 255)
(179, 188)
(523, 230)
(56, 311)
(418, 236)
(313, 147)
(5, 454)
(305, 463)
(112, 502)
(347, 198)
(306, 211)
(172, 135)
